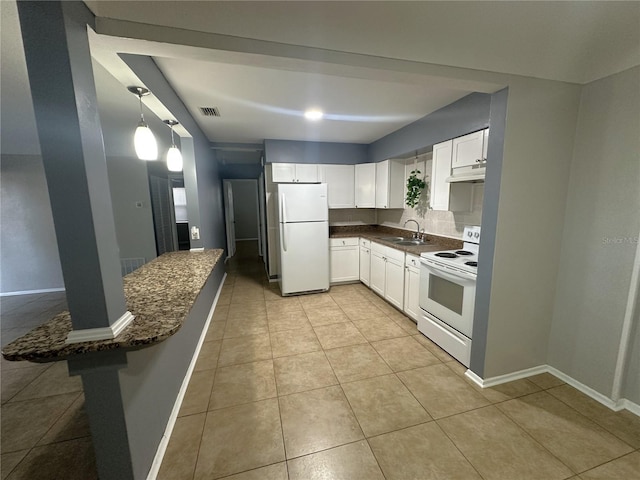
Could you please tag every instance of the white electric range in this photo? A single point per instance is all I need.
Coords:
(447, 295)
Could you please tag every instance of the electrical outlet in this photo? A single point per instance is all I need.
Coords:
(139, 204)
(195, 233)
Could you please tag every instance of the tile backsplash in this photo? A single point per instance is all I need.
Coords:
(446, 224)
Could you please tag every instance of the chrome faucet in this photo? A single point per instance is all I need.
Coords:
(417, 234)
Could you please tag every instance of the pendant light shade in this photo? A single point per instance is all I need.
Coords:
(174, 157)
(143, 140)
(174, 160)
(145, 143)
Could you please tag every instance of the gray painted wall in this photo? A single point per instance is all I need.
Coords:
(240, 171)
(28, 246)
(245, 208)
(491, 201)
(202, 176)
(288, 151)
(538, 146)
(129, 186)
(469, 114)
(602, 221)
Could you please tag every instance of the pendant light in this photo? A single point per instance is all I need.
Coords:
(144, 140)
(174, 157)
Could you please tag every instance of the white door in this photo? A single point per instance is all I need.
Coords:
(468, 150)
(306, 172)
(377, 278)
(304, 257)
(283, 172)
(229, 218)
(365, 185)
(344, 263)
(365, 265)
(382, 184)
(302, 203)
(411, 292)
(262, 220)
(340, 185)
(440, 170)
(394, 283)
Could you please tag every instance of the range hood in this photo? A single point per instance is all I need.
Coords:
(466, 177)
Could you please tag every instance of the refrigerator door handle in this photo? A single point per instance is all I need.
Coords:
(283, 208)
(283, 229)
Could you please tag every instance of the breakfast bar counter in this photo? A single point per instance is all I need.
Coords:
(159, 294)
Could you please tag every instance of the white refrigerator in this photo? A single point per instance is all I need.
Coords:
(303, 238)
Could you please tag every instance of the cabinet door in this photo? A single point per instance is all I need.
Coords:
(283, 172)
(377, 274)
(340, 180)
(411, 292)
(365, 185)
(344, 264)
(467, 150)
(382, 184)
(365, 265)
(440, 170)
(485, 144)
(306, 172)
(394, 283)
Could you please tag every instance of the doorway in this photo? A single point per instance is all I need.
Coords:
(242, 214)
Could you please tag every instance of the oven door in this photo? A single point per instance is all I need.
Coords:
(448, 295)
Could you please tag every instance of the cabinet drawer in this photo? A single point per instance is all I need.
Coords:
(412, 261)
(397, 255)
(378, 248)
(343, 242)
(365, 242)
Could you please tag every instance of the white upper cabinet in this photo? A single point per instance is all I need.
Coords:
(390, 184)
(440, 170)
(365, 185)
(340, 180)
(294, 173)
(470, 150)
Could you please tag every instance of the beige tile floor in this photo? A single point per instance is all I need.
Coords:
(329, 386)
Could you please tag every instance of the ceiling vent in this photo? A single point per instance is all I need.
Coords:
(210, 111)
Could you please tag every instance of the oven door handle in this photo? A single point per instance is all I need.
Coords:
(449, 274)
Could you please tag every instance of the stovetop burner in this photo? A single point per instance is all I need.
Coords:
(464, 252)
(446, 255)
(471, 264)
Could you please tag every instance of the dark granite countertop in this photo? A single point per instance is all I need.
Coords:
(377, 232)
(159, 294)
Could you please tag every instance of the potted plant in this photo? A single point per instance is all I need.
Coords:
(415, 185)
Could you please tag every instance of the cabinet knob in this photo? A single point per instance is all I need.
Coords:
(478, 160)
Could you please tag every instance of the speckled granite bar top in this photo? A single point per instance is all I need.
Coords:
(375, 232)
(159, 294)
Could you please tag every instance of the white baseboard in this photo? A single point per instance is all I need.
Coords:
(164, 442)
(31, 292)
(197, 249)
(509, 377)
(628, 405)
(529, 372)
(102, 333)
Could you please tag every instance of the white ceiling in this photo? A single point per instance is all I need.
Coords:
(262, 96)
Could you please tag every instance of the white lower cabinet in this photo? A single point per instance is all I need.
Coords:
(365, 261)
(387, 273)
(411, 286)
(344, 254)
(378, 267)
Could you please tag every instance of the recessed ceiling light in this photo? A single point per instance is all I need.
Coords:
(314, 114)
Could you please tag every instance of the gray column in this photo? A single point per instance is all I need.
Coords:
(105, 409)
(64, 98)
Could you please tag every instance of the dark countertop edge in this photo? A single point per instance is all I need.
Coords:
(374, 233)
(59, 352)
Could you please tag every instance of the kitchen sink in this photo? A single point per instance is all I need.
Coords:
(410, 242)
(392, 239)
